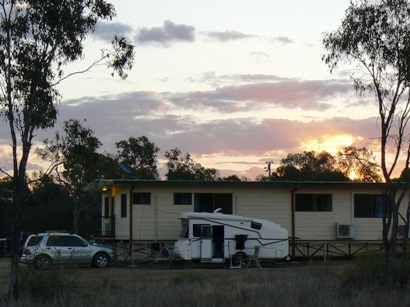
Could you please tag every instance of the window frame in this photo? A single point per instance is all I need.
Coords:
(209, 202)
(184, 201)
(144, 198)
(124, 205)
(319, 202)
(374, 208)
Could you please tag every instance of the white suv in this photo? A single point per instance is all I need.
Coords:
(43, 249)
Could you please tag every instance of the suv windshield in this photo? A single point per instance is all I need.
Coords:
(34, 240)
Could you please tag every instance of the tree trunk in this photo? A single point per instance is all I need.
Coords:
(391, 251)
(15, 252)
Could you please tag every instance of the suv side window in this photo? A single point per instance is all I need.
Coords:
(74, 241)
(34, 240)
(55, 241)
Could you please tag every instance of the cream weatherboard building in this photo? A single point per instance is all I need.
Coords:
(318, 215)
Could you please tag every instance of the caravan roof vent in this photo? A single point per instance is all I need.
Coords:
(344, 230)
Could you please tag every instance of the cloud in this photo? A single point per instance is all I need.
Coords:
(171, 119)
(106, 30)
(288, 94)
(220, 80)
(260, 55)
(167, 34)
(283, 40)
(227, 35)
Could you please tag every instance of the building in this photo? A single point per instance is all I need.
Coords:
(318, 215)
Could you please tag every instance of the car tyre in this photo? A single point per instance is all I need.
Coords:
(42, 262)
(100, 260)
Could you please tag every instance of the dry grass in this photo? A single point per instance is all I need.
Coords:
(313, 285)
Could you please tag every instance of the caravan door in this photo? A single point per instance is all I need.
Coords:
(206, 243)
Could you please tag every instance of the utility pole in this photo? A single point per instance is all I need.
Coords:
(269, 168)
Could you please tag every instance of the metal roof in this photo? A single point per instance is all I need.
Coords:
(99, 184)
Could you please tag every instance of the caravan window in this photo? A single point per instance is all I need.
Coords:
(256, 225)
(196, 230)
(184, 229)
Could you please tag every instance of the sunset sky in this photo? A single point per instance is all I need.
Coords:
(233, 83)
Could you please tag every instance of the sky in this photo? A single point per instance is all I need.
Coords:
(233, 83)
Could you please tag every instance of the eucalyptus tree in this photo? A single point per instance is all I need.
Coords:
(37, 40)
(309, 166)
(140, 154)
(375, 37)
(74, 159)
(360, 163)
(183, 167)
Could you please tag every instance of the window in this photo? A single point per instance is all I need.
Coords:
(370, 205)
(208, 202)
(256, 225)
(106, 207)
(123, 205)
(184, 229)
(141, 198)
(73, 241)
(313, 202)
(182, 199)
(55, 241)
(196, 230)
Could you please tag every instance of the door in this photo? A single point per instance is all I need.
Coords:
(206, 243)
(79, 250)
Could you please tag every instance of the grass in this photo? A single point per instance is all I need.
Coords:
(314, 285)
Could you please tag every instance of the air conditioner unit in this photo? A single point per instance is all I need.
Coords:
(344, 230)
(401, 231)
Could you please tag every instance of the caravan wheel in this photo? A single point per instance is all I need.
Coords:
(238, 259)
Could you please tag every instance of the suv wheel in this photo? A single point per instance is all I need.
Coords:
(100, 260)
(42, 262)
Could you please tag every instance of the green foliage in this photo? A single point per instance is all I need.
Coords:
(48, 208)
(183, 167)
(234, 178)
(76, 152)
(361, 162)
(375, 36)
(140, 154)
(309, 166)
(37, 40)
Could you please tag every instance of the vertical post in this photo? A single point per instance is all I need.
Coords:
(131, 247)
(269, 168)
(156, 216)
(292, 195)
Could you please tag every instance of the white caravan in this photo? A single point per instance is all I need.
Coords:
(216, 237)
